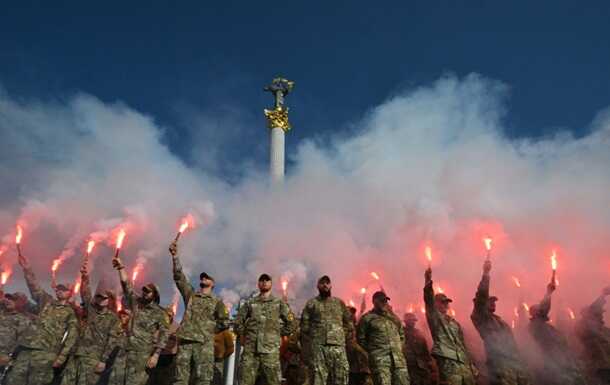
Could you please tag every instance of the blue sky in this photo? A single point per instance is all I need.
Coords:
(178, 60)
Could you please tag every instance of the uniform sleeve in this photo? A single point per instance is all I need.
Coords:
(480, 300)
(222, 316)
(71, 333)
(431, 313)
(85, 288)
(545, 305)
(40, 296)
(287, 317)
(305, 321)
(362, 331)
(182, 283)
(241, 319)
(163, 330)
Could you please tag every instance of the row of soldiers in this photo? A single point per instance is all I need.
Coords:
(93, 344)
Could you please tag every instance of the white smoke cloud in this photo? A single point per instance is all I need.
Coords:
(431, 165)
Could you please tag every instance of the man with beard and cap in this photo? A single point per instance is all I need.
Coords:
(46, 344)
(326, 325)
(380, 333)
(13, 324)
(595, 338)
(95, 343)
(261, 322)
(148, 328)
(449, 348)
(504, 363)
(419, 361)
(204, 314)
(559, 365)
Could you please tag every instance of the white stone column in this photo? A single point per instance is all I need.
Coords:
(277, 151)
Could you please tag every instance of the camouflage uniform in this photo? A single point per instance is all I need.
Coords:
(204, 314)
(326, 325)
(118, 358)
(560, 366)
(50, 338)
(294, 368)
(260, 323)
(12, 326)
(504, 363)
(449, 348)
(147, 333)
(380, 333)
(419, 360)
(595, 338)
(95, 343)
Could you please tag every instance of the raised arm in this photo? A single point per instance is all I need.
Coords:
(182, 282)
(545, 304)
(40, 296)
(128, 293)
(428, 290)
(482, 295)
(85, 284)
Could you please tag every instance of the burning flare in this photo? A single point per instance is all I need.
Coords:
(512, 324)
(19, 235)
(77, 287)
(183, 227)
(363, 291)
(487, 240)
(554, 260)
(135, 273)
(284, 285)
(375, 275)
(90, 246)
(526, 307)
(55, 265)
(571, 313)
(5, 276)
(440, 289)
(119, 304)
(516, 281)
(119, 239)
(428, 252)
(351, 303)
(516, 312)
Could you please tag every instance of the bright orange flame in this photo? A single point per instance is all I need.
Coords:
(571, 313)
(487, 241)
(135, 273)
(422, 309)
(452, 312)
(77, 287)
(428, 252)
(554, 260)
(375, 275)
(351, 303)
(516, 312)
(19, 234)
(410, 308)
(55, 265)
(527, 308)
(119, 304)
(90, 246)
(183, 226)
(284, 285)
(440, 289)
(120, 238)
(516, 281)
(175, 308)
(512, 324)
(363, 290)
(5, 276)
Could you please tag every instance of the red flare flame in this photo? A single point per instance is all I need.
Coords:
(487, 241)
(452, 312)
(175, 308)
(119, 305)
(440, 289)
(284, 285)
(120, 238)
(183, 226)
(134, 275)
(363, 290)
(554, 260)
(526, 307)
(90, 246)
(516, 312)
(410, 308)
(5, 276)
(77, 287)
(351, 303)
(55, 265)
(516, 281)
(512, 324)
(375, 275)
(428, 252)
(19, 235)
(422, 309)
(571, 313)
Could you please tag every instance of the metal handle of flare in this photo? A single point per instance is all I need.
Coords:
(553, 277)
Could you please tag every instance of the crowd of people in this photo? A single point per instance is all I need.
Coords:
(54, 340)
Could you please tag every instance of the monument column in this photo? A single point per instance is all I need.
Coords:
(277, 121)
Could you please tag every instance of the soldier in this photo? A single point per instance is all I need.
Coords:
(204, 314)
(559, 366)
(148, 328)
(224, 346)
(359, 372)
(419, 361)
(13, 324)
(449, 349)
(380, 333)
(45, 345)
(95, 344)
(595, 338)
(260, 323)
(118, 357)
(164, 372)
(326, 325)
(504, 363)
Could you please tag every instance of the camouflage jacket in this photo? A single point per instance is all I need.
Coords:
(148, 325)
(95, 336)
(497, 335)
(446, 332)
(204, 314)
(56, 328)
(326, 321)
(381, 334)
(594, 336)
(261, 322)
(416, 351)
(12, 326)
